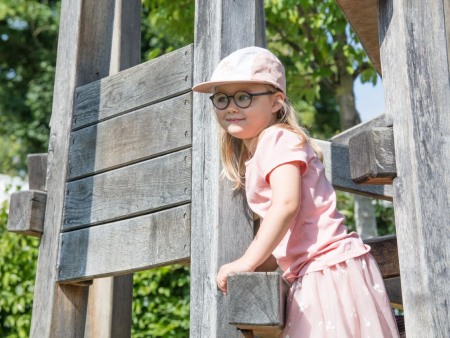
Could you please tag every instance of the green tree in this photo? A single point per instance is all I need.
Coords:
(28, 38)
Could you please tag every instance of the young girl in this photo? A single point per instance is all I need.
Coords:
(336, 287)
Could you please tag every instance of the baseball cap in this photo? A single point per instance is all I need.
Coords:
(246, 65)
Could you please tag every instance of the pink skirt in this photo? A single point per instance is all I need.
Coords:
(345, 300)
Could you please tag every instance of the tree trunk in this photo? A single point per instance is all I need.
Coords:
(364, 209)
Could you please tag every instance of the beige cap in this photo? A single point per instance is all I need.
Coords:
(246, 65)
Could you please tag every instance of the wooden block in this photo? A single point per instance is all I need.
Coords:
(372, 156)
(26, 212)
(337, 169)
(256, 302)
(37, 171)
(384, 250)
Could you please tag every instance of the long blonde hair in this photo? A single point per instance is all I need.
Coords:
(234, 153)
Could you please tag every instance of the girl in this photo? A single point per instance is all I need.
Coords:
(336, 287)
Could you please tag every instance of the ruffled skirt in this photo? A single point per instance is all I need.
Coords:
(346, 300)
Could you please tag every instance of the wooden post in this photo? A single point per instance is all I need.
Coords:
(414, 58)
(222, 227)
(84, 55)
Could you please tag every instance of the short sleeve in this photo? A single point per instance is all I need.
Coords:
(278, 146)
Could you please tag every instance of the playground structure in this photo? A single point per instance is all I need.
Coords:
(131, 179)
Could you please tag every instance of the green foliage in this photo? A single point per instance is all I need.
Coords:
(161, 302)
(18, 256)
(28, 39)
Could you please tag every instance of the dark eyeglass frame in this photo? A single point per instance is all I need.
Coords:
(251, 95)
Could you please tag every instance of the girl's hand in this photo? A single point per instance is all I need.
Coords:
(227, 269)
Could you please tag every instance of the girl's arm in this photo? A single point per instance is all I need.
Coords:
(285, 182)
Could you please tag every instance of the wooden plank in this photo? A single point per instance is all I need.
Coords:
(136, 189)
(346, 135)
(27, 212)
(256, 302)
(416, 87)
(222, 226)
(384, 250)
(110, 299)
(136, 136)
(37, 171)
(149, 82)
(337, 169)
(372, 157)
(126, 246)
(363, 16)
(394, 291)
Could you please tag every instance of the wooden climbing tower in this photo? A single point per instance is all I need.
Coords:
(131, 178)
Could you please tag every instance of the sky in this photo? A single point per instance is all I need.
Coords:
(369, 99)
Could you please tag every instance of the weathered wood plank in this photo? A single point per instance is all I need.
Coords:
(27, 212)
(222, 227)
(384, 250)
(363, 16)
(394, 291)
(139, 135)
(346, 135)
(37, 171)
(337, 168)
(136, 189)
(256, 302)
(417, 99)
(372, 157)
(126, 246)
(110, 299)
(155, 80)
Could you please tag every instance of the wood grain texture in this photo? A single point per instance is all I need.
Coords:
(126, 246)
(363, 17)
(27, 212)
(345, 136)
(59, 311)
(222, 226)
(384, 250)
(136, 189)
(256, 301)
(152, 81)
(417, 98)
(148, 132)
(37, 171)
(337, 169)
(394, 291)
(372, 157)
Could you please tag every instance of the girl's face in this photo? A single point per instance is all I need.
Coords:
(248, 123)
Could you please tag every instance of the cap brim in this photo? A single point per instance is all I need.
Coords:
(208, 87)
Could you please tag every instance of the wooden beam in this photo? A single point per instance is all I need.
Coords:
(363, 17)
(394, 291)
(27, 212)
(372, 157)
(133, 190)
(156, 80)
(139, 135)
(417, 99)
(126, 246)
(37, 171)
(384, 250)
(346, 135)
(337, 169)
(222, 225)
(256, 302)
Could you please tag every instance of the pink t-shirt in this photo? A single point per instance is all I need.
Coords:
(317, 237)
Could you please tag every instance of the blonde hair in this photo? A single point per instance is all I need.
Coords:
(234, 153)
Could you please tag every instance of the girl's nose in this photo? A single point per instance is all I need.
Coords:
(232, 108)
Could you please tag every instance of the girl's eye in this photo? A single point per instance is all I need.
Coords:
(243, 97)
(221, 98)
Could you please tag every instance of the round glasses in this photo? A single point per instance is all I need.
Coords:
(241, 99)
